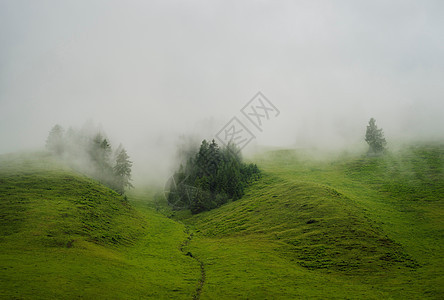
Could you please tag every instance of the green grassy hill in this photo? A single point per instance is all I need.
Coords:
(368, 227)
(63, 235)
(349, 227)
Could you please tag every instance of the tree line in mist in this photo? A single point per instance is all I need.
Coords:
(206, 179)
(213, 176)
(92, 154)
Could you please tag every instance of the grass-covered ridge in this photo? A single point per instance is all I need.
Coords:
(314, 225)
(65, 236)
(46, 204)
(348, 227)
(355, 227)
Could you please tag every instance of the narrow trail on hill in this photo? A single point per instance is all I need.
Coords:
(201, 283)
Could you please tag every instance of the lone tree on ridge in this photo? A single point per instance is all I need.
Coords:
(375, 138)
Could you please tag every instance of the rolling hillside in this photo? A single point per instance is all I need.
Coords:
(65, 236)
(352, 227)
(368, 227)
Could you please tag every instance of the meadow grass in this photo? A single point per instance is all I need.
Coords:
(66, 236)
(349, 227)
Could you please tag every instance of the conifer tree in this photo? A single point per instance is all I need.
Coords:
(122, 170)
(375, 138)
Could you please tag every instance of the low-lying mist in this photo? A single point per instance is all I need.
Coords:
(159, 77)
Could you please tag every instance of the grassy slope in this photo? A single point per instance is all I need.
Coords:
(66, 236)
(344, 228)
(351, 228)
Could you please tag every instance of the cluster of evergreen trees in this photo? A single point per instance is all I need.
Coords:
(92, 154)
(210, 178)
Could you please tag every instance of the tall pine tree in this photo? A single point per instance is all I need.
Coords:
(375, 138)
(122, 170)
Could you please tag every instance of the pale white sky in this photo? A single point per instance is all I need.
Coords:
(149, 71)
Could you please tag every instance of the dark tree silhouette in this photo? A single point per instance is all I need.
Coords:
(122, 170)
(210, 178)
(375, 138)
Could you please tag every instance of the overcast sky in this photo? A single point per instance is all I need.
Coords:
(149, 71)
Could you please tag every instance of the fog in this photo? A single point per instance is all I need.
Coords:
(154, 74)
